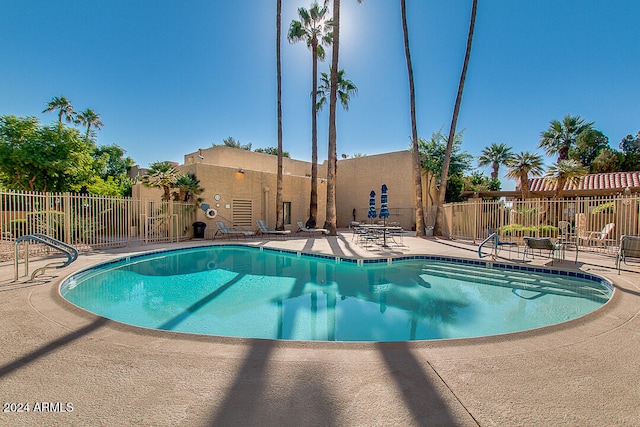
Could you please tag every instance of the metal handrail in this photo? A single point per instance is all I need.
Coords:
(495, 238)
(68, 250)
(496, 244)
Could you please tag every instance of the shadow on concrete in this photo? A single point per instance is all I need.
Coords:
(422, 391)
(52, 346)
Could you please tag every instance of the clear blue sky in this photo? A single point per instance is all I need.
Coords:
(169, 77)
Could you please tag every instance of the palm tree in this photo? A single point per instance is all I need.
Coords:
(315, 29)
(89, 118)
(346, 88)
(63, 106)
(332, 157)
(495, 155)
(523, 164)
(560, 136)
(161, 175)
(417, 169)
(279, 177)
(565, 171)
(188, 188)
(437, 229)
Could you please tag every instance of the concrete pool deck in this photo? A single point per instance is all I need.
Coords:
(584, 372)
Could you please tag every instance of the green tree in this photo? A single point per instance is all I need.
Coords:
(188, 189)
(43, 158)
(111, 172)
(272, 150)
(161, 175)
(89, 118)
(630, 147)
(437, 229)
(314, 28)
(232, 143)
(332, 157)
(64, 108)
(346, 89)
(563, 172)
(521, 166)
(432, 153)
(560, 136)
(608, 160)
(495, 155)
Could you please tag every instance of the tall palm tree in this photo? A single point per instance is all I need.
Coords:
(314, 27)
(523, 164)
(161, 175)
(346, 88)
(437, 229)
(63, 106)
(279, 177)
(332, 156)
(565, 171)
(89, 118)
(495, 155)
(417, 169)
(560, 136)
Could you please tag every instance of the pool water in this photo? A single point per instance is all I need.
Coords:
(250, 292)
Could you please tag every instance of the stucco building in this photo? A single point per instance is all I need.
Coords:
(241, 186)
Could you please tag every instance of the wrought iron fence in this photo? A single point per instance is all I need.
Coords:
(595, 223)
(91, 222)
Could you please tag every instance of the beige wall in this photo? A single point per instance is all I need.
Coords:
(249, 160)
(218, 172)
(356, 178)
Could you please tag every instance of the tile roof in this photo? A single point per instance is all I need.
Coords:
(597, 181)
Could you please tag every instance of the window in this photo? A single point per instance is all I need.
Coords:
(286, 209)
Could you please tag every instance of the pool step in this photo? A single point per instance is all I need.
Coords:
(515, 279)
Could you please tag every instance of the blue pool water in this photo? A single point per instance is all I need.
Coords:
(240, 291)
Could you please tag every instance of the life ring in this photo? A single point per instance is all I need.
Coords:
(211, 213)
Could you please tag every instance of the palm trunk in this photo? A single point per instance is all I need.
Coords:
(331, 217)
(417, 169)
(437, 229)
(279, 197)
(524, 185)
(313, 203)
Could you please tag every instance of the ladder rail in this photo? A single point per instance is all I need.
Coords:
(68, 250)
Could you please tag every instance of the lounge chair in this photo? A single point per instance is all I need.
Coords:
(263, 229)
(598, 238)
(629, 247)
(224, 230)
(542, 244)
(311, 231)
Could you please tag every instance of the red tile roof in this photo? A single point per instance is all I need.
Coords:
(594, 182)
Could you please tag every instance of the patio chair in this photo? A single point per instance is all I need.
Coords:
(629, 247)
(311, 231)
(598, 238)
(224, 230)
(263, 229)
(542, 244)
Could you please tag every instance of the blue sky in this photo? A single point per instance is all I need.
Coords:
(169, 77)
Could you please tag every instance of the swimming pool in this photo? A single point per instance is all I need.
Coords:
(243, 291)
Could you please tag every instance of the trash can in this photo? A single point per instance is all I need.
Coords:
(198, 229)
(428, 231)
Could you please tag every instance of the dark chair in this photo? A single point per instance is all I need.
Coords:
(629, 247)
(542, 244)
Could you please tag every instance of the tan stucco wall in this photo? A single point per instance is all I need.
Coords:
(257, 186)
(249, 160)
(356, 178)
(218, 172)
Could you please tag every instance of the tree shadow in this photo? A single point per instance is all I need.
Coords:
(52, 346)
(422, 394)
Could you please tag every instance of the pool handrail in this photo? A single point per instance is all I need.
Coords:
(496, 244)
(66, 249)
